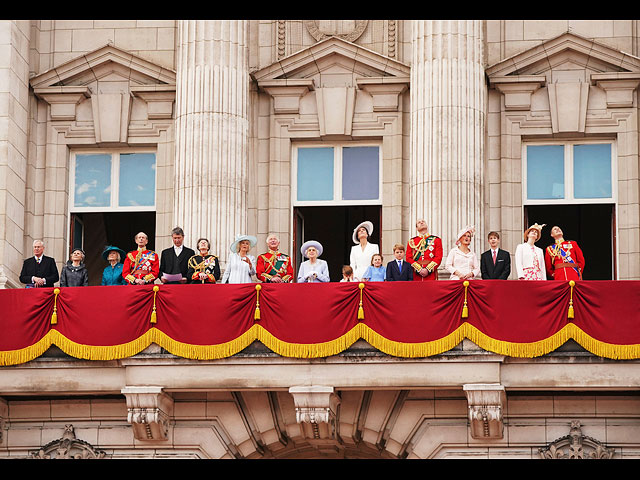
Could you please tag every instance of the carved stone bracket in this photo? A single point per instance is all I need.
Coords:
(286, 93)
(486, 402)
(385, 91)
(149, 409)
(63, 100)
(576, 446)
(618, 87)
(517, 90)
(68, 447)
(316, 410)
(159, 98)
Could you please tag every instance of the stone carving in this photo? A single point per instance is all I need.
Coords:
(313, 27)
(485, 409)
(148, 412)
(68, 447)
(316, 411)
(282, 36)
(576, 446)
(391, 38)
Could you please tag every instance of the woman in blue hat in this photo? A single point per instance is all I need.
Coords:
(112, 274)
(313, 270)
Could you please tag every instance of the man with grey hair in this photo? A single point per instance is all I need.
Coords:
(141, 266)
(174, 260)
(39, 270)
(274, 266)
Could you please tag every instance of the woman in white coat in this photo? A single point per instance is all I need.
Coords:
(362, 251)
(313, 270)
(529, 258)
(241, 265)
(462, 262)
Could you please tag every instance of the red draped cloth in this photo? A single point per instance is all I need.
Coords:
(407, 319)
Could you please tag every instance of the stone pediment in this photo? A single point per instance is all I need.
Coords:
(332, 59)
(563, 53)
(105, 64)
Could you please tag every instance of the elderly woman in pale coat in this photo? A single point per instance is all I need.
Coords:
(462, 263)
(313, 270)
(529, 258)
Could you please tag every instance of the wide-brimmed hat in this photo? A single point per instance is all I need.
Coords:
(252, 240)
(469, 228)
(368, 226)
(112, 248)
(311, 243)
(535, 226)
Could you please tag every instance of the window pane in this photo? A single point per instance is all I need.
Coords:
(360, 173)
(592, 171)
(545, 171)
(92, 181)
(137, 180)
(315, 174)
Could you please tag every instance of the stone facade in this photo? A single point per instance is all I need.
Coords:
(223, 104)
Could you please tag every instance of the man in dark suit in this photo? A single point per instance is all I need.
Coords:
(495, 263)
(174, 260)
(39, 270)
(399, 269)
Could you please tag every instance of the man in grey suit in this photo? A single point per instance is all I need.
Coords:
(495, 263)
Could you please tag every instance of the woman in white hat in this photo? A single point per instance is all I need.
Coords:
(241, 265)
(362, 251)
(529, 258)
(462, 263)
(312, 270)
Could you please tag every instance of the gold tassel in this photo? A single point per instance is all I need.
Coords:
(54, 315)
(154, 318)
(256, 315)
(570, 312)
(360, 309)
(465, 309)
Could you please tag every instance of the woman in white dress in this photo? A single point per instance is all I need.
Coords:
(462, 263)
(529, 258)
(313, 270)
(241, 265)
(362, 251)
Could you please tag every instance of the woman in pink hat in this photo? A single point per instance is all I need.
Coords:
(462, 263)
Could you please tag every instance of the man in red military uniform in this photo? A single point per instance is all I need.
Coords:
(424, 253)
(563, 260)
(141, 266)
(274, 266)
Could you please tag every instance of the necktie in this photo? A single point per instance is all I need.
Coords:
(494, 257)
(400, 265)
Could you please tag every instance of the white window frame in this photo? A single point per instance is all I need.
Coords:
(568, 174)
(115, 182)
(337, 174)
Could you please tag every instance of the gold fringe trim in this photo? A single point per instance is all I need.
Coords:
(325, 349)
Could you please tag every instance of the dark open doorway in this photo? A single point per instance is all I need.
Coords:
(93, 231)
(591, 225)
(333, 228)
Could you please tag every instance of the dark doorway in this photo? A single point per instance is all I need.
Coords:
(592, 226)
(93, 231)
(333, 228)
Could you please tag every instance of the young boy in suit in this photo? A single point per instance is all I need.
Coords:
(495, 263)
(399, 269)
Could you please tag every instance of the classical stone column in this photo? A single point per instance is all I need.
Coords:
(212, 128)
(448, 111)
